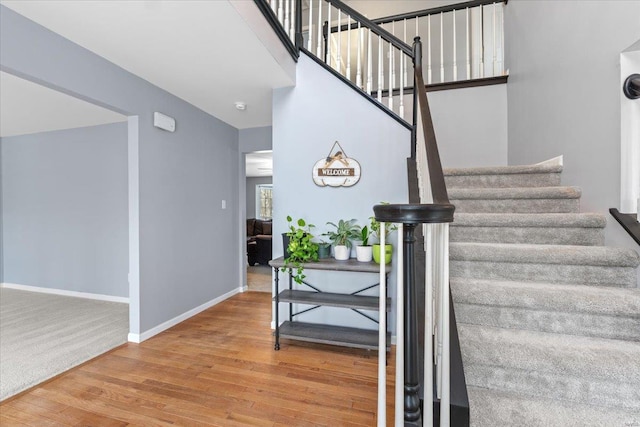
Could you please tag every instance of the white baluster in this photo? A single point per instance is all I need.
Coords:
(468, 42)
(280, 12)
(382, 335)
(319, 44)
(358, 59)
(438, 310)
(292, 21)
(429, 72)
(481, 41)
(369, 64)
(446, 378)
(399, 395)
(428, 324)
(339, 50)
(502, 40)
(274, 5)
(404, 57)
(309, 31)
(328, 60)
(455, 49)
(392, 75)
(349, 47)
(493, 68)
(441, 47)
(286, 17)
(402, 83)
(380, 70)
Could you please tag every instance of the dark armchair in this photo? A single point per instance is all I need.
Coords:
(258, 241)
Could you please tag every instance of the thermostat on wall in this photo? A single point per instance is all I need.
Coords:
(164, 122)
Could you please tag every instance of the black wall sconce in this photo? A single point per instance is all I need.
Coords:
(631, 86)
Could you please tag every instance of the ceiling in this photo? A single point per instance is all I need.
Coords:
(30, 108)
(201, 51)
(212, 54)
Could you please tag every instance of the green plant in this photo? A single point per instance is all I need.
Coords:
(345, 231)
(364, 235)
(301, 249)
(375, 227)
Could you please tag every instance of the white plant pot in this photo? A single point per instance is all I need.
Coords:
(364, 253)
(341, 253)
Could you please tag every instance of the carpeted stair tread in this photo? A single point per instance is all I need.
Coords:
(554, 228)
(514, 193)
(503, 170)
(568, 367)
(545, 254)
(492, 408)
(556, 220)
(565, 309)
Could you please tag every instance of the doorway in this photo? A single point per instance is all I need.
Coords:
(259, 208)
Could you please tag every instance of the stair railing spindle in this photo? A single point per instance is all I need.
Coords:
(292, 20)
(349, 47)
(328, 42)
(274, 5)
(428, 321)
(287, 20)
(309, 31)
(441, 47)
(369, 64)
(445, 407)
(281, 12)
(455, 49)
(467, 43)
(359, 59)
(481, 41)
(495, 58)
(339, 49)
(392, 75)
(319, 46)
(429, 72)
(380, 71)
(382, 335)
(501, 58)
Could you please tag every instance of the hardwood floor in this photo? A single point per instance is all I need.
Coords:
(215, 369)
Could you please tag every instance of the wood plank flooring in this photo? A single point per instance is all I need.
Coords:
(215, 369)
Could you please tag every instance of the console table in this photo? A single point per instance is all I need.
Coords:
(315, 297)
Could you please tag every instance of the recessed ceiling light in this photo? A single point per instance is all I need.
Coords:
(241, 106)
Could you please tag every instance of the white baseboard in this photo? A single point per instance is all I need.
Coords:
(243, 288)
(65, 293)
(138, 338)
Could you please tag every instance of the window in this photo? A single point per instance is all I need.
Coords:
(264, 205)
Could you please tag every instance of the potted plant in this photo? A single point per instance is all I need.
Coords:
(324, 249)
(364, 252)
(388, 248)
(341, 238)
(299, 248)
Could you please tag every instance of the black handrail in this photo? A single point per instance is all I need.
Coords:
(435, 11)
(372, 26)
(271, 17)
(436, 176)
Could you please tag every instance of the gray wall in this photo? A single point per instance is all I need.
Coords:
(188, 243)
(564, 92)
(307, 120)
(251, 193)
(65, 209)
(255, 139)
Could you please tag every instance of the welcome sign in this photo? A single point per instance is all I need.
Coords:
(337, 169)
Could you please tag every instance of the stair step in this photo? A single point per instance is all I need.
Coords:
(503, 176)
(516, 200)
(559, 229)
(567, 309)
(581, 265)
(491, 408)
(585, 370)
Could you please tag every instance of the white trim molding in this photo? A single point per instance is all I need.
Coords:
(138, 338)
(87, 295)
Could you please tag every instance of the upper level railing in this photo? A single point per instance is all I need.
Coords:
(381, 66)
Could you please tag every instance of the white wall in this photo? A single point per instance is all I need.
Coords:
(564, 92)
(630, 135)
(307, 120)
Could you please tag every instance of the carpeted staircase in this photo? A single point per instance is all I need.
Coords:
(548, 317)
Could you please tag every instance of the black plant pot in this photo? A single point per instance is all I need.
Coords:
(285, 244)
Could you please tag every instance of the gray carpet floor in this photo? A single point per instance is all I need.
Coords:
(43, 335)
